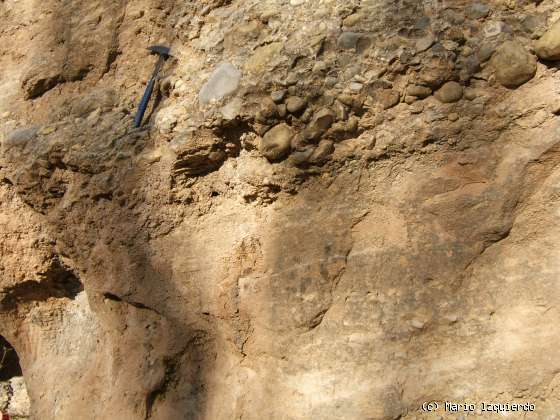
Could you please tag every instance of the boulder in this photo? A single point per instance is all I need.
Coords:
(548, 46)
(513, 64)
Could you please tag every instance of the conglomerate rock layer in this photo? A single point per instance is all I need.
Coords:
(334, 209)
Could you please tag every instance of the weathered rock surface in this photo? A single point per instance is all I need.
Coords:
(239, 257)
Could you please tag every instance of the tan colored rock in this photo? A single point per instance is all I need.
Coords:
(276, 143)
(295, 104)
(449, 92)
(548, 45)
(353, 19)
(513, 64)
(262, 56)
(419, 91)
(388, 98)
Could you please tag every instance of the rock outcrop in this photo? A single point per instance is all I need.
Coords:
(335, 210)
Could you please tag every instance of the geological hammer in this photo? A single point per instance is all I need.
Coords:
(164, 53)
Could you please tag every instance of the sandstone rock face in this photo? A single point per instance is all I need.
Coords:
(335, 210)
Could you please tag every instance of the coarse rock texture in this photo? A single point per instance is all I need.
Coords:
(300, 230)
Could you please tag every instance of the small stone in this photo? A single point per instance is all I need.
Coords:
(492, 29)
(352, 20)
(471, 66)
(20, 137)
(232, 109)
(298, 142)
(154, 156)
(93, 117)
(418, 324)
(548, 46)
(485, 52)
(19, 403)
(452, 319)
(348, 40)
(346, 99)
(45, 131)
(295, 104)
(301, 156)
(297, 2)
(555, 108)
(217, 156)
(352, 124)
(262, 56)
(388, 98)
(534, 25)
(409, 99)
(278, 95)
(306, 116)
(466, 51)
(276, 143)
(6, 115)
(450, 45)
(513, 64)
(453, 116)
(355, 86)
(330, 81)
(449, 92)
(419, 91)
(292, 79)
(340, 111)
(137, 14)
(268, 111)
(282, 110)
(321, 122)
(323, 151)
(477, 11)
(223, 82)
(454, 17)
(469, 94)
(261, 129)
(416, 108)
(422, 23)
(323, 119)
(338, 128)
(319, 66)
(424, 43)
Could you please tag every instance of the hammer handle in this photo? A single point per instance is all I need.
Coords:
(144, 102)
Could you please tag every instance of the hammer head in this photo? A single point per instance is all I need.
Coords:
(162, 50)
